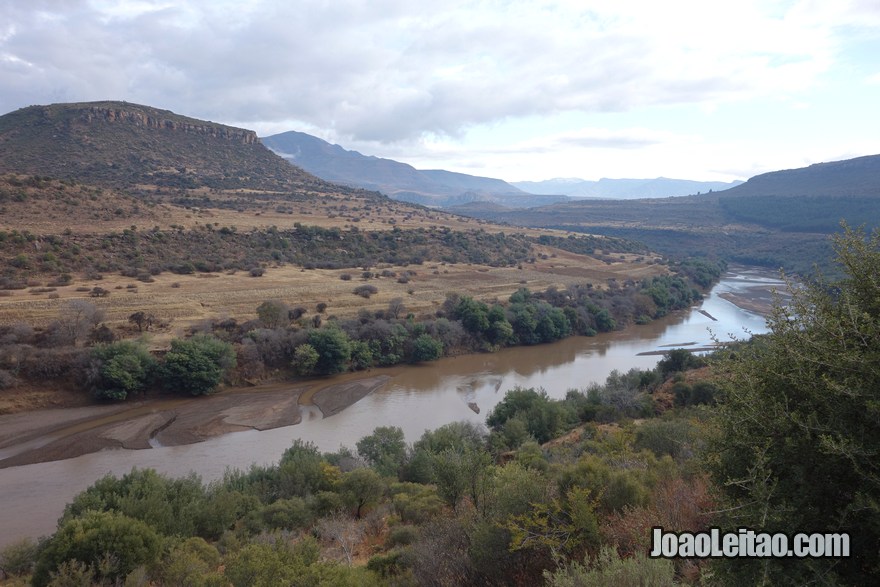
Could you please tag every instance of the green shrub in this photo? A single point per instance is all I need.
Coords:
(196, 366)
(120, 368)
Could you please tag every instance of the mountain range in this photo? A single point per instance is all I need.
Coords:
(439, 188)
(436, 188)
(623, 189)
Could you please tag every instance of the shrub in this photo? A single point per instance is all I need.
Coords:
(89, 539)
(18, 557)
(120, 368)
(196, 366)
(365, 291)
(333, 348)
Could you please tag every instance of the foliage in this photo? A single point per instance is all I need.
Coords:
(333, 348)
(360, 488)
(384, 450)
(170, 506)
(196, 366)
(92, 537)
(543, 417)
(798, 438)
(119, 369)
(608, 569)
(17, 558)
(273, 313)
(305, 359)
(426, 348)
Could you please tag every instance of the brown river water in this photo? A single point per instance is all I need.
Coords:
(415, 398)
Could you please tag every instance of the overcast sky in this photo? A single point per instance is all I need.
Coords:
(703, 89)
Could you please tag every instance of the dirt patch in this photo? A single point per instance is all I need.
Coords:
(332, 399)
(50, 435)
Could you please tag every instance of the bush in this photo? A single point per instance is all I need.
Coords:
(333, 348)
(89, 539)
(196, 366)
(426, 348)
(365, 291)
(120, 368)
(18, 557)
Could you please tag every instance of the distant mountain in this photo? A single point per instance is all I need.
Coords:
(850, 177)
(397, 180)
(122, 144)
(623, 189)
(782, 218)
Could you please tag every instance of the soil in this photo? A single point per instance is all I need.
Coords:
(54, 434)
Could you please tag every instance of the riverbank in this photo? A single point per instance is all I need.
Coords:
(66, 432)
(55, 434)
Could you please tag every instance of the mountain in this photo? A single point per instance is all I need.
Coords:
(397, 180)
(123, 144)
(777, 219)
(620, 189)
(846, 178)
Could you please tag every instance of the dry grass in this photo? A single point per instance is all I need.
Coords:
(214, 295)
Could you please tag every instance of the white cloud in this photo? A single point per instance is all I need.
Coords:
(393, 72)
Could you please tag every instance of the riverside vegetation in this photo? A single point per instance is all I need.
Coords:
(78, 347)
(778, 433)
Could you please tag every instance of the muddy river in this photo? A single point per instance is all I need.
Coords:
(414, 398)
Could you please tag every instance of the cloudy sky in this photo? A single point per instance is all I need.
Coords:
(520, 90)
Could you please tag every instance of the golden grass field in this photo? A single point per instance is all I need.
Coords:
(185, 300)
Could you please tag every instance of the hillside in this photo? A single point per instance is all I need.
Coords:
(137, 208)
(123, 144)
(623, 189)
(436, 188)
(778, 219)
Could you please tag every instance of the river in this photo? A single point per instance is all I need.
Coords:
(415, 398)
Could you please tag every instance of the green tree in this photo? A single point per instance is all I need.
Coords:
(426, 348)
(334, 350)
(798, 441)
(384, 450)
(120, 368)
(544, 417)
(109, 541)
(197, 365)
(360, 488)
(305, 359)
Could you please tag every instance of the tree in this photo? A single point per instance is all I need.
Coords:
(426, 348)
(396, 307)
(120, 368)
(798, 436)
(273, 314)
(334, 350)
(196, 366)
(112, 543)
(384, 450)
(361, 488)
(77, 319)
(143, 320)
(305, 358)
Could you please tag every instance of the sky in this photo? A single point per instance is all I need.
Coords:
(710, 90)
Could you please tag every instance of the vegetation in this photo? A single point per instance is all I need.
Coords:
(456, 507)
(798, 435)
(120, 368)
(196, 366)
